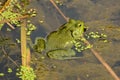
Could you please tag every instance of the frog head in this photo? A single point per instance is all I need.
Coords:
(76, 27)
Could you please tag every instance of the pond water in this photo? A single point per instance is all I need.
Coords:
(99, 16)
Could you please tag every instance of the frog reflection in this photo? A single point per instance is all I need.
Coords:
(58, 44)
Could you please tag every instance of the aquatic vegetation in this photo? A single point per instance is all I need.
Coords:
(9, 70)
(2, 74)
(26, 73)
(12, 11)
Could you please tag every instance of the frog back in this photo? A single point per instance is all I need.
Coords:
(59, 40)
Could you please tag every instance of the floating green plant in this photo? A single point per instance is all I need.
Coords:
(26, 73)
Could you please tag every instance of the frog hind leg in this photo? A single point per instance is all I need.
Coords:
(61, 54)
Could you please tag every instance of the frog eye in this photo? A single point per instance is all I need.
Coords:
(79, 25)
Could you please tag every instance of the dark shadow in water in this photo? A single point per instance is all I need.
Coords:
(70, 12)
(117, 63)
(94, 1)
(12, 51)
(116, 17)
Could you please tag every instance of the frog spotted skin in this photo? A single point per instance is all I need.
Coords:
(59, 43)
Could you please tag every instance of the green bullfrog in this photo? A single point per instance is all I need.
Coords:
(59, 44)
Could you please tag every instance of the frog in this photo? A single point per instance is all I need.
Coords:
(59, 44)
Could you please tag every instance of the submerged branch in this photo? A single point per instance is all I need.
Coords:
(66, 18)
(9, 57)
(10, 25)
(109, 69)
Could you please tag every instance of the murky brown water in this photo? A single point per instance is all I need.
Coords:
(99, 15)
(102, 16)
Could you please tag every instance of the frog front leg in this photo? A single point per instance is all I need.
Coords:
(39, 45)
(61, 54)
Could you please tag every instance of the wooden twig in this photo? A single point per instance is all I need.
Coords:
(109, 69)
(28, 58)
(66, 18)
(23, 42)
(9, 57)
(17, 18)
(25, 51)
(9, 20)
(5, 5)
(3, 8)
(10, 25)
